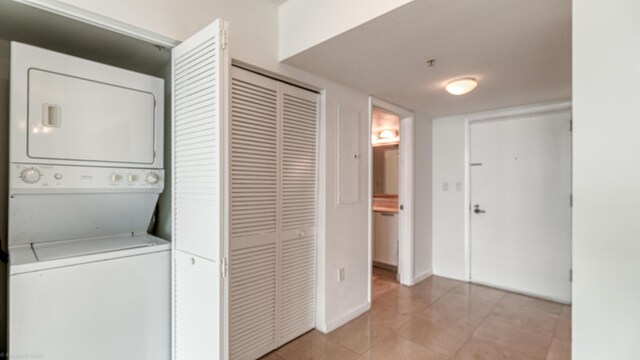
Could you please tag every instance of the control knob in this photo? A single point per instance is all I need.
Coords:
(30, 176)
(152, 178)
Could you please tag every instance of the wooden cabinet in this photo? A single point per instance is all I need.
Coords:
(385, 238)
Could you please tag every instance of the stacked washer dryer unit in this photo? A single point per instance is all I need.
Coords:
(86, 281)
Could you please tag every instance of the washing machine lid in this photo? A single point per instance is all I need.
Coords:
(45, 218)
(82, 247)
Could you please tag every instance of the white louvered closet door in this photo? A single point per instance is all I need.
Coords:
(254, 219)
(273, 145)
(297, 270)
(200, 82)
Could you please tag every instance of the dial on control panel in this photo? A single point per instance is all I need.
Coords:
(30, 176)
(153, 178)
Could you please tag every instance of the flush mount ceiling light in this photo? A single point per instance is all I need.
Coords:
(387, 134)
(461, 86)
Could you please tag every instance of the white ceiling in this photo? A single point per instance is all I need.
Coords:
(381, 120)
(519, 50)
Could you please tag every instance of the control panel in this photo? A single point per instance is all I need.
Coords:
(45, 177)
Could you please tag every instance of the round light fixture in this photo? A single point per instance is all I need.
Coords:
(387, 134)
(461, 86)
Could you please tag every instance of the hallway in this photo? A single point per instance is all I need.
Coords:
(443, 319)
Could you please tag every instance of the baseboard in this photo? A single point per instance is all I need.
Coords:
(327, 327)
(425, 275)
(527, 293)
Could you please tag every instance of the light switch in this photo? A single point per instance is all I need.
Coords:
(445, 186)
(458, 186)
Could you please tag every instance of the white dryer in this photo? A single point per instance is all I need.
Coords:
(86, 280)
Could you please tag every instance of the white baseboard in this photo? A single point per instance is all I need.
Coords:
(329, 326)
(425, 275)
(527, 293)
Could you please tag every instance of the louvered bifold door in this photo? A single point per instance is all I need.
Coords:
(253, 214)
(199, 92)
(298, 210)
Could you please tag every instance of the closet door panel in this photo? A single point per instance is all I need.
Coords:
(253, 198)
(199, 97)
(298, 209)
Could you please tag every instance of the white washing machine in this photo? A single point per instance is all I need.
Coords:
(86, 281)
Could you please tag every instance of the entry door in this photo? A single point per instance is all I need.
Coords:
(200, 92)
(520, 204)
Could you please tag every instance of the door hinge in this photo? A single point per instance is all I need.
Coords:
(571, 125)
(224, 39)
(571, 200)
(571, 275)
(223, 267)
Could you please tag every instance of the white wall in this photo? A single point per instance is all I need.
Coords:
(422, 266)
(306, 23)
(606, 227)
(450, 206)
(253, 27)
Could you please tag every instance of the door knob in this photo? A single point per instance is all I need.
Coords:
(477, 210)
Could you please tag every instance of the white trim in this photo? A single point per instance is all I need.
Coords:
(425, 275)
(76, 13)
(530, 294)
(345, 318)
(406, 191)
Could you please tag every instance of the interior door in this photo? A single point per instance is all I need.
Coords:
(297, 268)
(200, 82)
(253, 199)
(520, 204)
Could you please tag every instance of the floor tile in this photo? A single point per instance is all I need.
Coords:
(566, 312)
(397, 348)
(560, 350)
(479, 292)
(532, 303)
(361, 334)
(480, 349)
(441, 282)
(463, 320)
(563, 329)
(531, 343)
(434, 335)
(315, 346)
(523, 318)
(402, 300)
(464, 303)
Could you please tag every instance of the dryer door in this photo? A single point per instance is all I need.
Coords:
(76, 119)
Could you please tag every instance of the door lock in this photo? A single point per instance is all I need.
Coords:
(477, 210)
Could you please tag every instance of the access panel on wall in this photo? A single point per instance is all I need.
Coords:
(272, 203)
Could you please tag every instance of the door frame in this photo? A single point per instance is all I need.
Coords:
(560, 107)
(406, 190)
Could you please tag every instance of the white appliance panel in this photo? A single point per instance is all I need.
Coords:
(72, 111)
(55, 217)
(115, 309)
(38, 179)
(71, 118)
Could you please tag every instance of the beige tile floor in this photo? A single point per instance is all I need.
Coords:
(442, 319)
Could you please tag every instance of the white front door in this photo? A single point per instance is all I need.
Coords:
(520, 207)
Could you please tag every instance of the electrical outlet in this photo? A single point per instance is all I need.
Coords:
(341, 274)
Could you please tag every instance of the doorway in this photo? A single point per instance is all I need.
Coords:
(390, 195)
(520, 204)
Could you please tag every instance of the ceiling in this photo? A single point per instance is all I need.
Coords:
(381, 120)
(520, 52)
